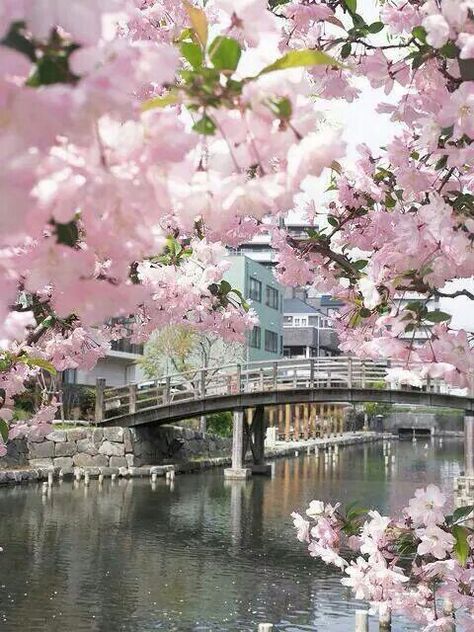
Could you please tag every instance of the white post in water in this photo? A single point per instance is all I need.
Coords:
(237, 471)
(265, 627)
(468, 446)
(385, 621)
(361, 621)
(448, 611)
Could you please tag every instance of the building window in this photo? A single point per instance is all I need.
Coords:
(281, 345)
(255, 290)
(300, 321)
(69, 376)
(271, 341)
(272, 297)
(124, 345)
(256, 338)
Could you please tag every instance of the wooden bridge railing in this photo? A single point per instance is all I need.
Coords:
(320, 373)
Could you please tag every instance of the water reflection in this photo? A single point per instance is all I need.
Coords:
(134, 556)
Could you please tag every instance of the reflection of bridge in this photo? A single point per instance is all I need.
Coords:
(261, 384)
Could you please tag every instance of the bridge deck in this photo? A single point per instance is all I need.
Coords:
(316, 380)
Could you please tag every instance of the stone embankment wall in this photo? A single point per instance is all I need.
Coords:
(112, 447)
(422, 420)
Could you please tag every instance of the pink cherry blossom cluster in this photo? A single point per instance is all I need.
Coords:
(142, 137)
(405, 566)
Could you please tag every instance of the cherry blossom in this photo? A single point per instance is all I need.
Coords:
(426, 508)
(435, 541)
(403, 565)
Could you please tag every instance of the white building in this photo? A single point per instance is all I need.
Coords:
(119, 367)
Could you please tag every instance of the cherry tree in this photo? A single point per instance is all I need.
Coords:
(407, 565)
(140, 138)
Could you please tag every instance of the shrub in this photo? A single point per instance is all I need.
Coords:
(220, 424)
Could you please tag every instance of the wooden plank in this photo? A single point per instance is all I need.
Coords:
(287, 421)
(297, 431)
(306, 421)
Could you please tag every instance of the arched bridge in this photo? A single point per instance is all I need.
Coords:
(315, 380)
(259, 385)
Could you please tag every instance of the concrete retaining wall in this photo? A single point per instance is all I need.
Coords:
(441, 423)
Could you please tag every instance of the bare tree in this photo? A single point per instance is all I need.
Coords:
(180, 349)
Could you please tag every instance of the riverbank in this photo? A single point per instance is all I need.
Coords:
(18, 475)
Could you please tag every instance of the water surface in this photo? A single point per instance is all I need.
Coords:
(200, 556)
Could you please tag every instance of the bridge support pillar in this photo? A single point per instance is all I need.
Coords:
(258, 427)
(237, 471)
(464, 485)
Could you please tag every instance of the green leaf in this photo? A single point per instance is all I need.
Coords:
(4, 430)
(360, 264)
(226, 287)
(415, 306)
(281, 107)
(160, 102)
(48, 321)
(442, 162)
(346, 50)
(351, 5)
(16, 39)
(193, 53)
(205, 126)
(390, 202)
(450, 50)
(420, 33)
(437, 316)
(186, 35)
(300, 59)
(67, 234)
(375, 27)
(461, 546)
(198, 20)
(333, 221)
(224, 53)
(41, 364)
(51, 69)
(461, 513)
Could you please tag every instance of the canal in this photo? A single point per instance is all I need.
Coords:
(199, 555)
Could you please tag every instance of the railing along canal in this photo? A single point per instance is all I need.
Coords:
(233, 379)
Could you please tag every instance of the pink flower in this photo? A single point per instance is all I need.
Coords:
(250, 17)
(15, 327)
(325, 533)
(437, 30)
(459, 110)
(434, 541)
(426, 507)
(81, 18)
(401, 16)
(465, 42)
(302, 527)
(327, 554)
(369, 291)
(316, 509)
(372, 536)
(313, 154)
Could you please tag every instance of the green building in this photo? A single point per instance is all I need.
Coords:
(265, 294)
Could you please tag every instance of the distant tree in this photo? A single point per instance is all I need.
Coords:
(177, 348)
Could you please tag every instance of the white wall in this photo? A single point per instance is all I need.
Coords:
(116, 371)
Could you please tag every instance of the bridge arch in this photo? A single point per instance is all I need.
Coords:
(344, 380)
